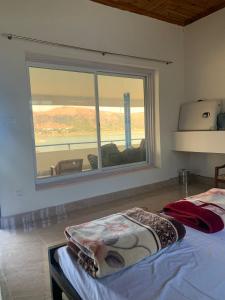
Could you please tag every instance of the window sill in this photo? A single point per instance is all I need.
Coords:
(62, 181)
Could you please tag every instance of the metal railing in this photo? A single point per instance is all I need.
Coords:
(80, 143)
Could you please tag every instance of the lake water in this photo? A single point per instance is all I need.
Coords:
(81, 142)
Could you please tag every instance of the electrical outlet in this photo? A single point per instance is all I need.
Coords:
(19, 193)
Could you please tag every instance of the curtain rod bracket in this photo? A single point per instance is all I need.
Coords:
(9, 37)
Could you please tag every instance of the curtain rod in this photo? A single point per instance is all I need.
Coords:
(11, 36)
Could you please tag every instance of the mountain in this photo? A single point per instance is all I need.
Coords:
(82, 119)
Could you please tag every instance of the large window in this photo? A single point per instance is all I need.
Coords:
(88, 122)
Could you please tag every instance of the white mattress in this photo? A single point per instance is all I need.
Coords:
(192, 269)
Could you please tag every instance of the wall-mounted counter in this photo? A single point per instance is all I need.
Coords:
(199, 141)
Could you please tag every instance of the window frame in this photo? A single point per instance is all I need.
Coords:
(149, 111)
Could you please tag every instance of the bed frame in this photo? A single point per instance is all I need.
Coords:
(59, 283)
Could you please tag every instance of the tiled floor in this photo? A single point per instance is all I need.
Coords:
(23, 255)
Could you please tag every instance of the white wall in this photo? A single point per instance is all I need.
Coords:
(86, 24)
(205, 74)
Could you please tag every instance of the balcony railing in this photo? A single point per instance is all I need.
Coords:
(68, 146)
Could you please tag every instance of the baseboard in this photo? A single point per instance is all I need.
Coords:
(53, 215)
(203, 180)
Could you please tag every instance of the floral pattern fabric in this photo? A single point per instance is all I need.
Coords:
(109, 244)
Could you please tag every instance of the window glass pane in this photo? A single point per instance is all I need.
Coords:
(122, 119)
(64, 117)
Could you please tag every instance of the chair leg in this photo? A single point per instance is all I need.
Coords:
(56, 291)
(216, 177)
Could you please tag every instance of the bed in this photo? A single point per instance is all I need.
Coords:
(193, 269)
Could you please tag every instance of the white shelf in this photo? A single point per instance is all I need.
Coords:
(199, 141)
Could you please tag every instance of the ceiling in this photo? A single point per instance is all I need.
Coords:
(181, 12)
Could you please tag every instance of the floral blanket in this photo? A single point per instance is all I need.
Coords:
(109, 244)
(204, 212)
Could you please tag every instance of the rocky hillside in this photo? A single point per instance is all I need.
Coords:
(81, 119)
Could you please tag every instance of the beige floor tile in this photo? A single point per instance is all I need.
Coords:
(24, 272)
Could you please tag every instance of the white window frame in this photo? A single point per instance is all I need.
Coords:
(103, 69)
